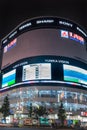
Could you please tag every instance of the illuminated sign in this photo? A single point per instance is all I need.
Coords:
(76, 37)
(25, 26)
(65, 23)
(13, 34)
(75, 74)
(5, 41)
(8, 78)
(83, 113)
(57, 61)
(64, 34)
(44, 21)
(37, 71)
(80, 30)
(72, 36)
(10, 45)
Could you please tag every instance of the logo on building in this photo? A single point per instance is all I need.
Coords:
(72, 36)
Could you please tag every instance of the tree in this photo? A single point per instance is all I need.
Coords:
(40, 111)
(5, 109)
(61, 114)
(29, 109)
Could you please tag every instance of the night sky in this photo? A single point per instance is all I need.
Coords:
(13, 12)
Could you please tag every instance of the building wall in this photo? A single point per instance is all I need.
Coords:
(36, 59)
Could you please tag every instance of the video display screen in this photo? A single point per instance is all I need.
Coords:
(10, 45)
(44, 50)
(45, 41)
(75, 74)
(36, 71)
(45, 69)
(9, 78)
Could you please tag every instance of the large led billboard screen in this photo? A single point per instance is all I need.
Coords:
(36, 71)
(75, 74)
(44, 42)
(44, 36)
(45, 69)
(9, 78)
(45, 50)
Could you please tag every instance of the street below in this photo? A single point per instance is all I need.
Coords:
(15, 128)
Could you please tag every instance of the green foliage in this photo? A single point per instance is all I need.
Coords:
(5, 107)
(36, 111)
(30, 110)
(62, 114)
(40, 111)
(1, 109)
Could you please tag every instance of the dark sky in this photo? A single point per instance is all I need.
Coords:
(13, 12)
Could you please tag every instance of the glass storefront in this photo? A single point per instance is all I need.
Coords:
(74, 100)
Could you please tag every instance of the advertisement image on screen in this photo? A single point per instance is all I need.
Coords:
(75, 74)
(36, 71)
(8, 78)
(10, 45)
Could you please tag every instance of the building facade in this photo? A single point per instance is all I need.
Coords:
(44, 61)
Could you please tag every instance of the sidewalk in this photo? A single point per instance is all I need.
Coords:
(47, 128)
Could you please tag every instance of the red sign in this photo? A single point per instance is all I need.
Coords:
(72, 36)
(83, 113)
